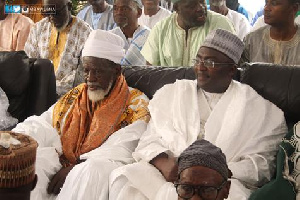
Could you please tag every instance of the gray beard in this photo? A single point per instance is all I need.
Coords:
(100, 94)
(63, 26)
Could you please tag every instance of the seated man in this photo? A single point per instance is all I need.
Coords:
(14, 30)
(229, 114)
(87, 120)
(60, 38)
(202, 172)
(176, 40)
(240, 22)
(17, 151)
(126, 14)
(279, 41)
(152, 13)
(99, 15)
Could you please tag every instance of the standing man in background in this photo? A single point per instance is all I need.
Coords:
(152, 13)
(240, 22)
(59, 37)
(99, 15)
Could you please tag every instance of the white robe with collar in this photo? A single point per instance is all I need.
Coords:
(245, 126)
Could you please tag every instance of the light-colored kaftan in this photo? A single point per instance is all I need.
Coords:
(168, 44)
(62, 48)
(104, 20)
(260, 47)
(245, 126)
(49, 129)
(14, 31)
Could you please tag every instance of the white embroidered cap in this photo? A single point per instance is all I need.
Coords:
(104, 44)
(225, 42)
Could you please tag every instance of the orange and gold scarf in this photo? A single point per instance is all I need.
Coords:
(88, 125)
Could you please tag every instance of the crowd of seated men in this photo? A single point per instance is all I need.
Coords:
(209, 138)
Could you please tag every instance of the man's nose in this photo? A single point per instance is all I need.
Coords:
(200, 6)
(92, 76)
(267, 7)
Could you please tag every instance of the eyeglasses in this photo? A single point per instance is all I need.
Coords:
(209, 63)
(187, 191)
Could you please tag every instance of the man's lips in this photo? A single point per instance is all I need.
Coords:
(93, 86)
(202, 76)
(201, 16)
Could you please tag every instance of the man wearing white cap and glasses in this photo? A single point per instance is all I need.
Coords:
(82, 133)
(228, 114)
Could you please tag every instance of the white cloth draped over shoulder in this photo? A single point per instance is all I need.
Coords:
(245, 126)
(82, 182)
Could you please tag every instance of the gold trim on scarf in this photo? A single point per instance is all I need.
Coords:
(85, 129)
(63, 105)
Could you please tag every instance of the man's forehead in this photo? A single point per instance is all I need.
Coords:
(215, 1)
(91, 61)
(123, 2)
(201, 175)
(185, 2)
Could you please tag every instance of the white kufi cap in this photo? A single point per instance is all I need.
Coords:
(104, 44)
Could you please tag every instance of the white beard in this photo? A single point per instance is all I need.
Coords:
(98, 95)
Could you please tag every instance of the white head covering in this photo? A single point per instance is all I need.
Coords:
(225, 42)
(104, 44)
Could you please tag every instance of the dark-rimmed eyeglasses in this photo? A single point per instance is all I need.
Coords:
(187, 191)
(209, 63)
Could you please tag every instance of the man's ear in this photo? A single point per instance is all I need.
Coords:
(226, 189)
(34, 182)
(175, 7)
(295, 8)
(233, 69)
(69, 4)
(139, 12)
(118, 69)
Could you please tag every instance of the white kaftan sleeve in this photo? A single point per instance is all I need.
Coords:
(47, 161)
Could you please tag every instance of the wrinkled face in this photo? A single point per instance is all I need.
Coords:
(62, 14)
(126, 13)
(191, 12)
(100, 75)
(217, 79)
(217, 5)
(150, 3)
(279, 11)
(203, 176)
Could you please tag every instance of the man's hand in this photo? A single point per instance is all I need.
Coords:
(167, 166)
(58, 180)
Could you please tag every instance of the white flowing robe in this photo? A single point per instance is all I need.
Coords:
(88, 180)
(245, 126)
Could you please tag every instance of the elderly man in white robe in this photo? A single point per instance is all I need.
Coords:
(91, 130)
(229, 114)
